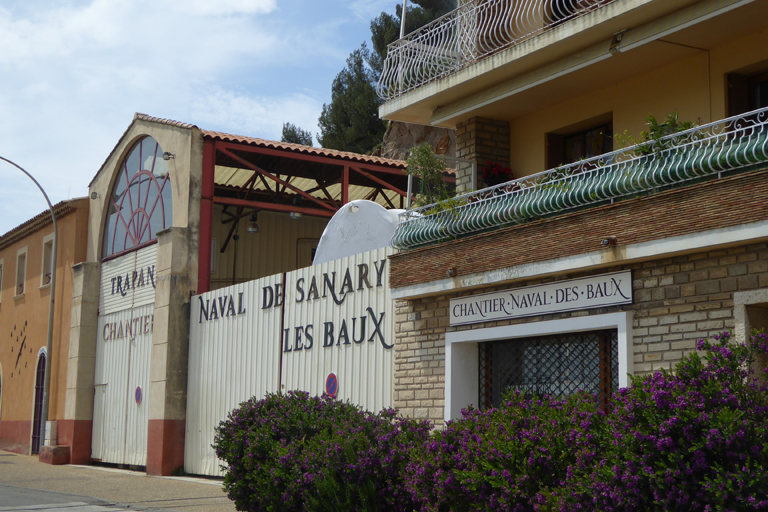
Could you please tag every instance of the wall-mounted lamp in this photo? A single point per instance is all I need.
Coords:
(252, 226)
(168, 155)
(609, 242)
(94, 195)
(616, 42)
(296, 202)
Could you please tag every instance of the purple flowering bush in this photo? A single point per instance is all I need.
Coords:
(294, 452)
(693, 440)
(511, 458)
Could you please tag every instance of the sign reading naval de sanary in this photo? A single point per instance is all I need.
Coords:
(584, 293)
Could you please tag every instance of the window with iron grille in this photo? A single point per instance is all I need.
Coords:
(550, 365)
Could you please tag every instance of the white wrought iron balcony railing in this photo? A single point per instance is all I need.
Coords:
(475, 29)
(735, 144)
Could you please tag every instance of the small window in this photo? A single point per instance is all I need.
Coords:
(568, 148)
(555, 366)
(747, 92)
(46, 271)
(21, 272)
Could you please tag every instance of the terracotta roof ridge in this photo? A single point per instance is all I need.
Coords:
(293, 147)
(38, 222)
(138, 116)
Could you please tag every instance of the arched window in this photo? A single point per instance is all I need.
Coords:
(140, 204)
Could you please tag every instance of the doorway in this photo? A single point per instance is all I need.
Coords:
(37, 419)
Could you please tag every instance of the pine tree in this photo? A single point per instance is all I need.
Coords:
(351, 121)
(294, 134)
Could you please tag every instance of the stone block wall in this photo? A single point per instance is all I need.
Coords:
(480, 140)
(677, 300)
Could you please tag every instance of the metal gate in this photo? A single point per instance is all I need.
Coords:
(123, 359)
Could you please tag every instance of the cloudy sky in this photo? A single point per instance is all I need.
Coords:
(73, 72)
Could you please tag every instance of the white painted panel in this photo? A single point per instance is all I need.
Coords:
(146, 277)
(232, 357)
(123, 362)
(140, 363)
(98, 412)
(364, 368)
(128, 281)
(113, 296)
(112, 372)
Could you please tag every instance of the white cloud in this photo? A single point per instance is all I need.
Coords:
(73, 73)
(221, 7)
(369, 9)
(253, 115)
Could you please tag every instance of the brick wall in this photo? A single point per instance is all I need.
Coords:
(677, 300)
(480, 140)
(714, 204)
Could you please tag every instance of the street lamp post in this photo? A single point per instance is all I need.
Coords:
(47, 385)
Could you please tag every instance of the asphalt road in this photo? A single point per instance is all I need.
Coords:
(27, 483)
(21, 498)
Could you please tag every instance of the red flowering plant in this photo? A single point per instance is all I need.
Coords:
(495, 174)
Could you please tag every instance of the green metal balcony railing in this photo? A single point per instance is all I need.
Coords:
(736, 143)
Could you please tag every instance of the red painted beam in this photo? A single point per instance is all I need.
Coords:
(260, 205)
(206, 218)
(345, 186)
(276, 179)
(380, 181)
(400, 171)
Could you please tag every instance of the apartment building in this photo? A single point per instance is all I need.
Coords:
(601, 258)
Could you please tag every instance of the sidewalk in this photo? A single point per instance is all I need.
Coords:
(127, 488)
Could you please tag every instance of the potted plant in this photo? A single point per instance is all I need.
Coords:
(494, 174)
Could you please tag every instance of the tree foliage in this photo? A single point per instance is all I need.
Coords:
(351, 121)
(385, 28)
(295, 135)
(424, 163)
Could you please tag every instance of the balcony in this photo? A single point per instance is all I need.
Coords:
(476, 29)
(736, 144)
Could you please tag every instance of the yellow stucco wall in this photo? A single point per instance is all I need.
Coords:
(26, 316)
(695, 86)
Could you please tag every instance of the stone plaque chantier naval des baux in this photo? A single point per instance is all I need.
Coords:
(556, 297)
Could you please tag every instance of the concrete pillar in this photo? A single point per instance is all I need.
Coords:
(76, 427)
(170, 351)
(481, 140)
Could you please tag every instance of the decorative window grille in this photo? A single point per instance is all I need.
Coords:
(140, 204)
(555, 366)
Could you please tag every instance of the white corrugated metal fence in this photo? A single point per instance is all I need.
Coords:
(287, 332)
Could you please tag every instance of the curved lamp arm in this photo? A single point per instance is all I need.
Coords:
(49, 354)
